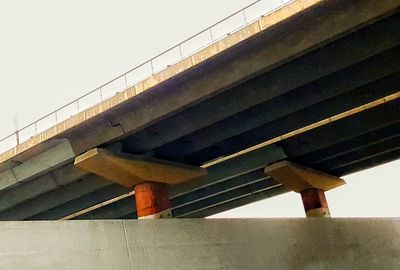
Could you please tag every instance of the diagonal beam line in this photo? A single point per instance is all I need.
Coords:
(309, 127)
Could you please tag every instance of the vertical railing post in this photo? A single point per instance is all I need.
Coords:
(126, 81)
(211, 35)
(152, 68)
(180, 51)
(17, 136)
(101, 93)
(77, 104)
(244, 17)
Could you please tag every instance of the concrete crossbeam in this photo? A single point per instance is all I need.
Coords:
(129, 170)
(299, 178)
(311, 184)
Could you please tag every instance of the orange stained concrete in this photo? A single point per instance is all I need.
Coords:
(299, 178)
(129, 170)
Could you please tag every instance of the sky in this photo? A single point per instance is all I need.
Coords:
(52, 52)
(370, 193)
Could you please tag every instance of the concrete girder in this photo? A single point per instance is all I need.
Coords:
(37, 165)
(26, 191)
(212, 196)
(276, 82)
(217, 175)
(361, 153)
(355, 143)
(38, 186)
(274, 53)
(368, 163)
(278, 48)
(382, 116)
(229, 174)
(206, 212)
(261, 195)
(55, 198)
(322, 97)
(74, 206)
(219, 187)
(237, 202)
(217, 199)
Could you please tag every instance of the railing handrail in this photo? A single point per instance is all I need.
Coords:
(150, 61)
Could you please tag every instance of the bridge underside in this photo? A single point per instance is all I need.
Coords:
(335, 75)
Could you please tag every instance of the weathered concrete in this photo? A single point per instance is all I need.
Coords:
(202, 244)
(298, 178)
(128, 170)
(38, 165)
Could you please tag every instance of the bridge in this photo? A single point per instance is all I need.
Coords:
(312, 82)
(289, 99)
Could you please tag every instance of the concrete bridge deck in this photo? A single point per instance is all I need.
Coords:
(316, 82)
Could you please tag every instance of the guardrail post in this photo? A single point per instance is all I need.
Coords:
(180, 51)
(17, 136)
(152, 68)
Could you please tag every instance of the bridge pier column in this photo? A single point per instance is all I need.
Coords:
(152, 200)
(148, 176)
(315, 203)
(311, 184)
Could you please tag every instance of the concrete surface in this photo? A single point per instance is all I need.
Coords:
(202, 244)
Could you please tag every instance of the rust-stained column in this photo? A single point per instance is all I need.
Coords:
(148, 176)
(315, 203)
(311, 184)
(152, 201)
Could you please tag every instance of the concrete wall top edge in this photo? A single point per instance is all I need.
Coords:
(202, 244)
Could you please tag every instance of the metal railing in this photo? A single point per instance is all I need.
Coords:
(186, 48)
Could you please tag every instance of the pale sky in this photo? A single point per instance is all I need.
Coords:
(370, 193)
(54, 51)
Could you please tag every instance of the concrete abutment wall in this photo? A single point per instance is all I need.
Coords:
(201, 244)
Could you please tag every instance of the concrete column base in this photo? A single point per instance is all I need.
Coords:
(152, 201)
